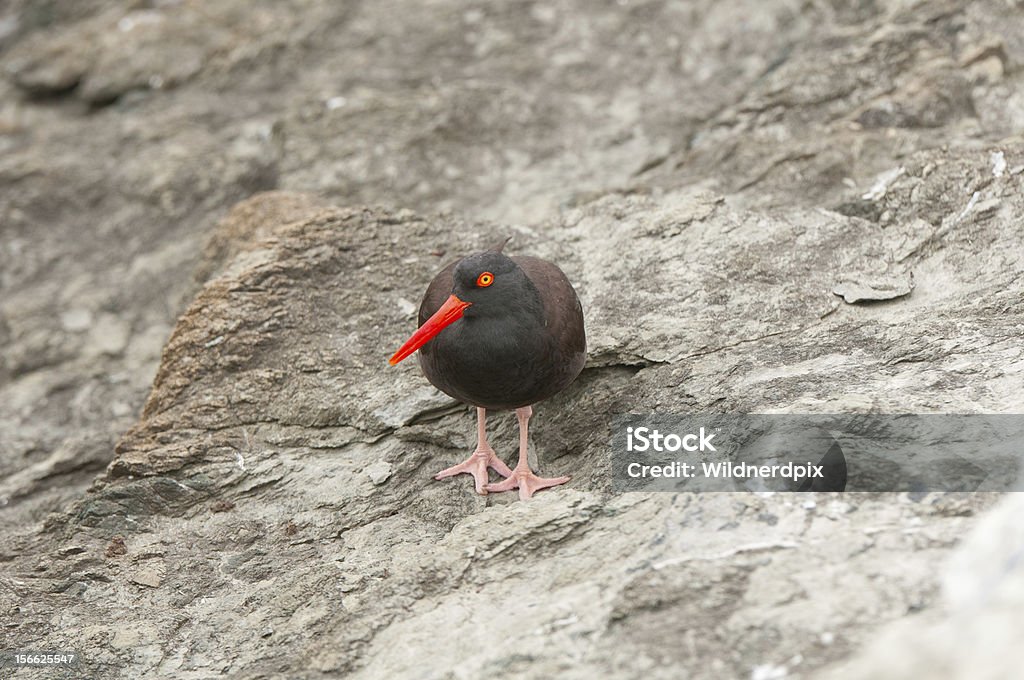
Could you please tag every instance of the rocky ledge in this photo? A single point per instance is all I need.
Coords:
(829, 224)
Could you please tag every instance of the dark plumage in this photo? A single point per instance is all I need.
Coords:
(500, 332)
(514, 346)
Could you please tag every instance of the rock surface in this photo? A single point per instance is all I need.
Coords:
(707, 174)
(975, 624)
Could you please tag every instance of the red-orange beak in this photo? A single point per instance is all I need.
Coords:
(450, 311)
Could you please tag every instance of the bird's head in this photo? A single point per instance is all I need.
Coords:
(488, 281)
(487, 284)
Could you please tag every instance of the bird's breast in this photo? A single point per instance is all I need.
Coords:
(492, 364)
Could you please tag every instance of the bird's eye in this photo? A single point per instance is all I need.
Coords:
(484, 280)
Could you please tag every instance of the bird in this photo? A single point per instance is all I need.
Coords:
(499, 333)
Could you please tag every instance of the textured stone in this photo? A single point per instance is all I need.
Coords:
(974, 625)
(704, 181)
(873, 290)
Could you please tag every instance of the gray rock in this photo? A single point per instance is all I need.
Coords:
(76, 319)
(108, 335)
(704, 181)
(970, 631)
(379, 472)
(873, 290)
(147, 576)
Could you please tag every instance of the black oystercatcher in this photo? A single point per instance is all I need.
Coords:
(499, 332)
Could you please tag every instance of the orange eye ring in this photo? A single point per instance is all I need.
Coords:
(484, 280)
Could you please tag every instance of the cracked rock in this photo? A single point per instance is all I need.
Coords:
(219, 219)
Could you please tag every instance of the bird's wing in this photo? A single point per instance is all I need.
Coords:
(562, 310)
(437, 292)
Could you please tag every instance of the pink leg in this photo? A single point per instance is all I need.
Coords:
(481, 459)
(522, 477)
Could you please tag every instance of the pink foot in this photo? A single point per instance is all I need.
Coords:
(527, 483)
(477, 465)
